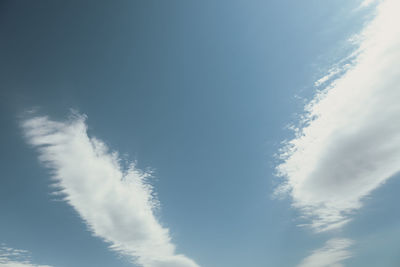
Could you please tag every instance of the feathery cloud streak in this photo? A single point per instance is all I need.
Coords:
(117, 205)
(10, 257)
(331, 255)
(349, 143)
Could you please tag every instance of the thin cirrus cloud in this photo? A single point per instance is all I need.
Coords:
(11, 257)
(349, 143)
(366, 3)
(116, 204)
(331, 255)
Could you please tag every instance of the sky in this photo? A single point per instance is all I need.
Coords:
(199, 133)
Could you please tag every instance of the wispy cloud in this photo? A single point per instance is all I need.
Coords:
(349, 142)
(331, 255)
(10, 257)
(366, 3)
(116, 204)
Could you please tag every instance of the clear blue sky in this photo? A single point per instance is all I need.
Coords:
(201, 93)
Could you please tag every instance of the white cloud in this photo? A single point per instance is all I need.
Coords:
(331, 255)
(366, 3)
(116, 204)
(349, 143)
(10, 257)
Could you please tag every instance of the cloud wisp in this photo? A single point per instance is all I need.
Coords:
(10, 257)
(116, 204)
(332, 254)
(349, 143)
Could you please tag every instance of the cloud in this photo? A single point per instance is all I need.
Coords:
(331, 255)
(10, 257)
(349, 141)
(366, 3)
(116, 204)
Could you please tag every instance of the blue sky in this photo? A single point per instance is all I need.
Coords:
(199, 133)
